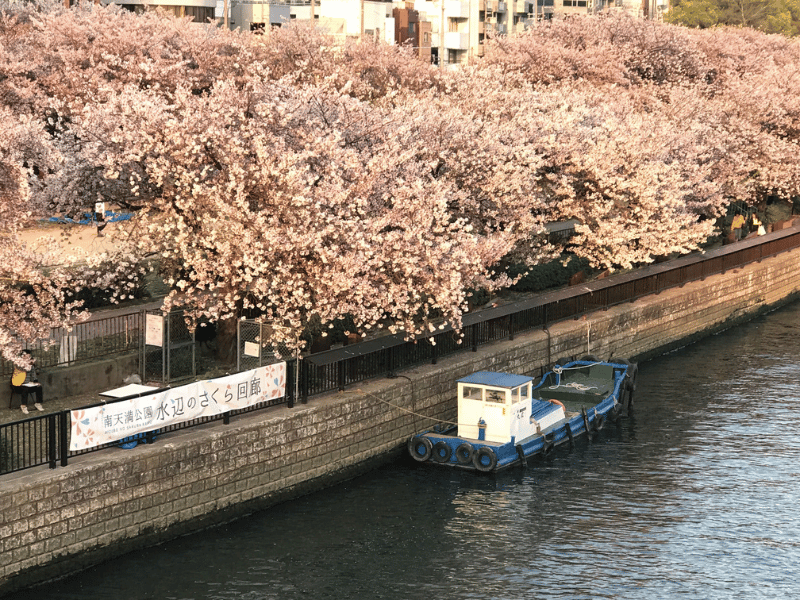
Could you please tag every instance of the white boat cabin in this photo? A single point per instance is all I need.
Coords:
(498, 407)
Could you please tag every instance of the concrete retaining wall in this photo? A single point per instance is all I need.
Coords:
(109, 502)
(78, 380)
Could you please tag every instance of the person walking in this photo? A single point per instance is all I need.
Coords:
(25, 382)
(737, 225)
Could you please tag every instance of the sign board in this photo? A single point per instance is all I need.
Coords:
(154, 330)
(251, 349)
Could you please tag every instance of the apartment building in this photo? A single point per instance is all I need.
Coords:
(201, 11)
(445, 32)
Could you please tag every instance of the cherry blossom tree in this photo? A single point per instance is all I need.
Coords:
(301, 180)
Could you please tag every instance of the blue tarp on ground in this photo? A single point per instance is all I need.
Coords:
(88, 219)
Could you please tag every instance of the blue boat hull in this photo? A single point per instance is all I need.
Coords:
(439, 446)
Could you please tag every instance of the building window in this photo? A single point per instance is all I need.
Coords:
(578, 3)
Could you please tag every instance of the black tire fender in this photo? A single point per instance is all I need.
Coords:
(562, 361)
(480, 454)
(599, 421)
(441, 452)
(419, 442)
(548, 443)
(465, 453)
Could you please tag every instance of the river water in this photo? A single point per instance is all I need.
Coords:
(696, 495)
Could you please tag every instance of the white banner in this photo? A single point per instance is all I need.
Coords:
(113, 422)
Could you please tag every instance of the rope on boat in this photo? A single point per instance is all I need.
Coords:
(558, 369)
(416, 414)
(575, 386)
(411, 412)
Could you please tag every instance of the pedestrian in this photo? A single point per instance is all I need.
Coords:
(737, 225)
(758, 226)
(25, 382)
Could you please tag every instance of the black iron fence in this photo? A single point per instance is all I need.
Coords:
(335, 369)
(44, 439)
(100, 337)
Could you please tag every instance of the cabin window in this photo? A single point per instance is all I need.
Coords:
(520, 394)
(473, 393)
(495, 396)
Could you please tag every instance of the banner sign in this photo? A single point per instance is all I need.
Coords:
(113, 422)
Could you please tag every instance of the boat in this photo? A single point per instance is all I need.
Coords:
(504, 419)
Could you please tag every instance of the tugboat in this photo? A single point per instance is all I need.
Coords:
(503, 419)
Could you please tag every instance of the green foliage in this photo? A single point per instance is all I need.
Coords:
(694, 13)
(547, 276)
(336, 332)
(770, 16)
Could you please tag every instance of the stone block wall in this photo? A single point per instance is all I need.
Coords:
(103, 504)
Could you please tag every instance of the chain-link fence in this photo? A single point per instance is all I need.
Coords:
(168, 351)
(253, 351)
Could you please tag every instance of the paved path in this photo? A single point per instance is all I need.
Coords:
(8, 415)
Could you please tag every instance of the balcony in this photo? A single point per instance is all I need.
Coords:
(454, 40)
(522, 6)
(455, 9)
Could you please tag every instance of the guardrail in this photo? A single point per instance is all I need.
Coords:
(99, 337)
(44, 439)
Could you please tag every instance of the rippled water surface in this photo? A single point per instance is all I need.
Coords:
(695, 496)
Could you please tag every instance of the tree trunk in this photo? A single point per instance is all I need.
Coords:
(226, 341)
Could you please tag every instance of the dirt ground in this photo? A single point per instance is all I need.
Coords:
(76, 240)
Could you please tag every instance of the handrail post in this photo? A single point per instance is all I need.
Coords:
(511, 326)
(51, 439)
(340, 367)
(390, 360)
(291, 374)
(64, 450)
(434, 350)
(304, 381)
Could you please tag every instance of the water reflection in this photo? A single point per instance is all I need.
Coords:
(694, 496)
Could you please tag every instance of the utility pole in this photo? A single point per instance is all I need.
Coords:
(225, 14)
(441, 37)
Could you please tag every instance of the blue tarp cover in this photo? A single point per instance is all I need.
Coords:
(88, 219)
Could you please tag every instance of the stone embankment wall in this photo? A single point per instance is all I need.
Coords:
(109, 502)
